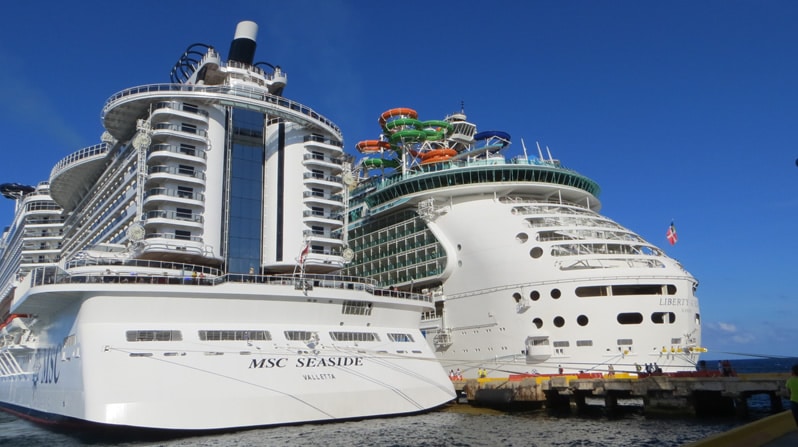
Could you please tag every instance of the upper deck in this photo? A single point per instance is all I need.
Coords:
(481, 172)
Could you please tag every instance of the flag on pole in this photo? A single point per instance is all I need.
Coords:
(304, 254)
(671, 234)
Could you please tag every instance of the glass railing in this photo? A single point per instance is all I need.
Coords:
(82, 154)
(245, 92)
(173, 215)
(174, 193)
(176, 170)
(129, 271)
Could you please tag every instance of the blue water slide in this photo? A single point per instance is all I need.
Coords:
(492, 137)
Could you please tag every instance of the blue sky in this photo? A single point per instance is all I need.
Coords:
(680, 110)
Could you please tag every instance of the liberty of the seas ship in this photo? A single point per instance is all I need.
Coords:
(526, 275)
(180, 274)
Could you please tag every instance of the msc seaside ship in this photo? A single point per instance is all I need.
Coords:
(184, 273)
(526, 275)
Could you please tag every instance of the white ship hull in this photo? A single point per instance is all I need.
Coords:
(489, 313)
(193, 384)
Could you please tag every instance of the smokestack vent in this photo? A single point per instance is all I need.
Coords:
(242, 49)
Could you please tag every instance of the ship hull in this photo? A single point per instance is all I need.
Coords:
(519, 300)
(136, 358)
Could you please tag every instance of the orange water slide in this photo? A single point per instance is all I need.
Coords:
(399, 112)
(437, 155)
(371, 146)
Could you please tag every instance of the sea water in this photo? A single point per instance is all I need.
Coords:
(457, 425)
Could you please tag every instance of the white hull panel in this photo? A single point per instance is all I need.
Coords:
(191, 384)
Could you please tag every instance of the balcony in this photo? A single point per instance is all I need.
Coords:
(182, 174)
(180, 130)
(176, 152)
(173, 218)
(155, 195)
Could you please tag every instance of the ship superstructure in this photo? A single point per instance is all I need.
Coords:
(185, 277)
(527, 276)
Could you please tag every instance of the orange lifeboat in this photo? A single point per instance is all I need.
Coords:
(399, 112)
(371, 146)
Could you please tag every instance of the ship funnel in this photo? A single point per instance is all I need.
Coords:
(242, 49)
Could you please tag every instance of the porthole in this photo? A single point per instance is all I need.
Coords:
(559, 321)
(663, 317)
(521, 237)
(630, 318)
(555, 293)
(459, 262)
(582, 320)
(536, 252)
(534, 296)
(517, 297)
(538, 323)
(459, 247)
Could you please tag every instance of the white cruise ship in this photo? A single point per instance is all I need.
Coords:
(526, 275)
(184, 273)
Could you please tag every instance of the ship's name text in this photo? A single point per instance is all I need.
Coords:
(47, 361)
(306, 362)
(674, 301)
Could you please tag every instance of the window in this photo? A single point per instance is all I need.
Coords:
(191, 108)
(185, 170)
(406, 338)
(630, 318)
(185, 192)
(183, 235)
(234, 335)
(299, 335)
(356, 308)
(146, 335)
(188, 128)
(354, 336)
(589, 291)
(184, 213)
(663, 317)
(188, 149)
(637, 289)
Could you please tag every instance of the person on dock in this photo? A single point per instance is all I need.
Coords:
(792, 388)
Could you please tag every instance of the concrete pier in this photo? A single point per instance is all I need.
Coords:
(657, 394)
